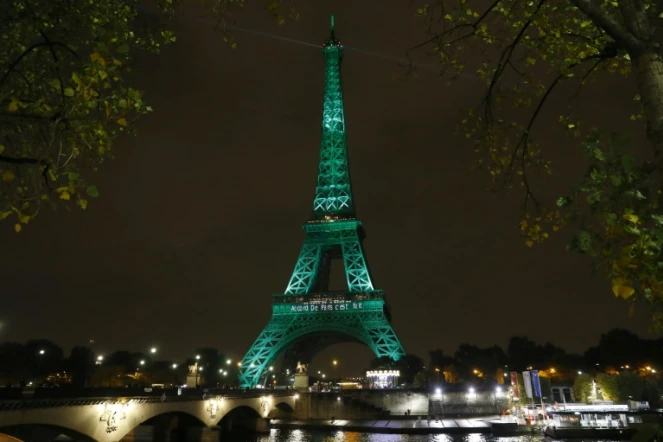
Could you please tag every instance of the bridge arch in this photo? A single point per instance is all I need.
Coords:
(40, 433)
(241, 417)
(336, 332)
(281, 410)
(7, 438)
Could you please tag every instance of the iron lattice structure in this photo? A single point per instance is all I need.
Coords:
(308, 317)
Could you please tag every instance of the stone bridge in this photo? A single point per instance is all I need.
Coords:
(157, 418)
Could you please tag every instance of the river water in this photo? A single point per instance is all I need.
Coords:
(287, 435)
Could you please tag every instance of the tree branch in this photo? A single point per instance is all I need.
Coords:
(613, 28)
(21, 161)
(18, 60)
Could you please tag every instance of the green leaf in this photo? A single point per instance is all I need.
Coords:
(92, 191)
(68, 92)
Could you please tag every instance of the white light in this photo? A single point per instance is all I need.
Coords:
(338, 398)
(271, 368)
(438, 391)
(653, 371)
(41, 352)
(153, 350)
(580, 372)
(228, 362)
(197, 356)
(174, 365)
(200, 368)
(498, 389)
(220, 370)
(296, 396)
(142, 362)
(471, 390)
(100, 358)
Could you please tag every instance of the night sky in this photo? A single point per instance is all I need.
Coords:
(199, 219)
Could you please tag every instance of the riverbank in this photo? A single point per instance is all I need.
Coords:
(398, 426)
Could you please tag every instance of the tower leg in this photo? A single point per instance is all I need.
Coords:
(283, 330)
(356, 270)
(306, 270)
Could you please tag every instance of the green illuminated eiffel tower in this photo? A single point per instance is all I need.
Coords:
(308, 317)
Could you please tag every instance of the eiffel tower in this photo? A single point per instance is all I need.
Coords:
(308, 317)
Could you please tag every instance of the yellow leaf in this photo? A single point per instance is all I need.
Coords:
(122, 122)
(24, 218)
(620, 288)
(2, 148)
(17, 227)
(108, 111)
(82, 204)
(631, 217)
(555, 228)
(529, 243)
(96, 57)
(8, 175)
(65, 196)
(523, 225)
(13, 106)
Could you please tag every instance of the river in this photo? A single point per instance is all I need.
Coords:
(287, 435)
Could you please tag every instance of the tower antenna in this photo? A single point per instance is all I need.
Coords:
(332, 27)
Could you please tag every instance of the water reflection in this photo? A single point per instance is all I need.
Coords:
(280, 435)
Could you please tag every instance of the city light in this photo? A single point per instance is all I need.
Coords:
(579, 372)
(197, 357)
(153, 350)
(498, 389)
(142, 362)
(100, 358)
(438, 391)
(228, 362)
(335, 362)
(174, 365)
(41, 352)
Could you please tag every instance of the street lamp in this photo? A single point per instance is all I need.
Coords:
(153, 350)
(142, 362)
(228, 362)
(174, 366)
(197, 357)
(41, 353)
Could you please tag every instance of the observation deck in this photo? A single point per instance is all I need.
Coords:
(327, 297)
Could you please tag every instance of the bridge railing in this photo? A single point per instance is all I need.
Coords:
(68, 399)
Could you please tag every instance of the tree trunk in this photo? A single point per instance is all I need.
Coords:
(648, 68)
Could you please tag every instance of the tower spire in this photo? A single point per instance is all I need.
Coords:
(333, 194)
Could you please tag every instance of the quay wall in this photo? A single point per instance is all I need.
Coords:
(376, 404)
